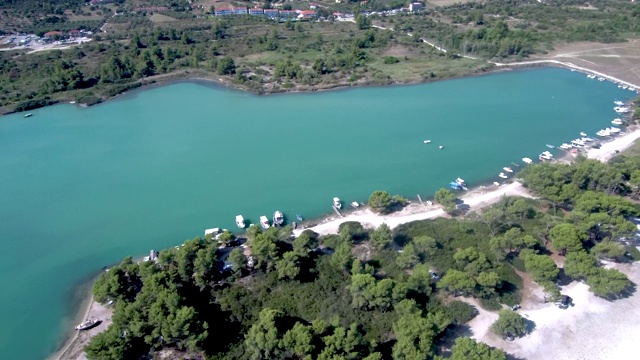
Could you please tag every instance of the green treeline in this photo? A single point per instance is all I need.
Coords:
(376, 293)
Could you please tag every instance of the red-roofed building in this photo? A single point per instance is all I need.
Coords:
(307, 14)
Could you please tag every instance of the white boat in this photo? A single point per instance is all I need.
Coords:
(582, 133)
(337, 203)
(588, 139)
(28, 115)
(527, 160)
(240, 221)
(618, 102)
(545, 156)
(441, 147)
(507, 169)
(502, 175)
(603, 133)
(591, 76)
(624, 87)
(621, 109)
(601, 79)
(264, 222)
(566, 146)
(461, 182)
(614, 130)
(86, 325)
(427, 141)
(617, 121)
(278, 218)
(355, 205)
(550, 146)
(496, 183)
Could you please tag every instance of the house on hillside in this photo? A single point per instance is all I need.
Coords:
(288, 14)
(223, 11)
(256, 11)
(271, 13)
(416, 6)
(307, 14)
(239, 10)
(74, 33)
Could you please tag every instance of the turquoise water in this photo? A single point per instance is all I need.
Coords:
(82, 188)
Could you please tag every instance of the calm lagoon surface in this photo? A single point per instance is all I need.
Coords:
(83, 187)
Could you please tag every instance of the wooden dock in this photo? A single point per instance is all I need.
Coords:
(336, 210)
(420, 199)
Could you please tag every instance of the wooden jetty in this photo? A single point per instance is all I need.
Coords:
(336, 210)
(420, 199)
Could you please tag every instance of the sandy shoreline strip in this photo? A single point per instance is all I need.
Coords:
(608, 149)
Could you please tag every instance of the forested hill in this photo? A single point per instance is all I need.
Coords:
(135, 42)
(377, 293)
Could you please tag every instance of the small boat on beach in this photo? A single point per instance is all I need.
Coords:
(86, 325)
(278, 218)
(527, 160)
(28, 115)
(337, 203)
(507, 169)
(551, 146)
(502, 175)
(355, 204)
(298, 217)
(240, 221)
(427, 141)
(264, 222)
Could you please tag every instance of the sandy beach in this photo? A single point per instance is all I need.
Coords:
(477, 198)
(620, 143)
(73, 348)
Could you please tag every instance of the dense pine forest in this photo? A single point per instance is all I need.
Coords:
(377, 293)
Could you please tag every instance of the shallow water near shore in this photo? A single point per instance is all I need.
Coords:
(82, 188)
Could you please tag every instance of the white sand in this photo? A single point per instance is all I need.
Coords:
(594, 328)
(607, 151)
(475, 199)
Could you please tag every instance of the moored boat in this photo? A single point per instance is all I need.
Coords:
(461, 182)
(618, 102)
(264, 222)
(427, 141)
(551, 146)
(566, 146)
(240, 221)
(355, 204)
(86, 325)
(337, 203)
(527, 160)
(582, 133)
(454, 185)
(28, 115)
(617, 121)
(507, 169)
(621, 109)
(502, 175)
(278, 218)
(441, 147)
(496, 183)
(298, 217)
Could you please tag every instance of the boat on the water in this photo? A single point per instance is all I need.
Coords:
(28, 115)
(618, 102)
(621, 109)
(240, 221)
(278, 218)
(441, 147)
(264, 222)
(551, 146)
(502, 175)
(298, 217)
(527, 160)
(582, 133)
(86, 325)
(566, 146)
(337, 203)
(427, 141)
(454, 185)
(545, 155)
(507, 169)
(355, 204)
(617, 121)
(496, 183)
(461, 182)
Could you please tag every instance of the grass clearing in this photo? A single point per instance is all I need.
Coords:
(159, 18)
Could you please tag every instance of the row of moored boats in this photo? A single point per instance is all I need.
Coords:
(622, 86)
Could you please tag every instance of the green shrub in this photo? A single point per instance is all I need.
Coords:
(391, 60)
